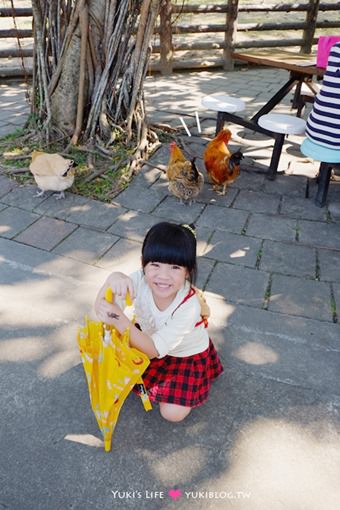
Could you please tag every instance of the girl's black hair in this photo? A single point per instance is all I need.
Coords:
(169, 243)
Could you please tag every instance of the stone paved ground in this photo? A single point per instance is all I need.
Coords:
(269, 261)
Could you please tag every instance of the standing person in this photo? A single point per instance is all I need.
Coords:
(323, 123)
(170, 328)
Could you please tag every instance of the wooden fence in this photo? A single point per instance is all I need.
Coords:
(236, 33)
(179, 43)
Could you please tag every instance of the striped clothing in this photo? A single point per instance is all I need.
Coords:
(323, 123)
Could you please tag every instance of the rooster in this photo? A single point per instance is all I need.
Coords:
(52, 172)
(222, 166)
(185, 181)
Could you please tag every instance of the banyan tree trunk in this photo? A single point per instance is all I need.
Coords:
(91, 57)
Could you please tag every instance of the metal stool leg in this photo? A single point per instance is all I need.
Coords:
(219, 122)
(298, 102)
(274, 162)
(325, 171)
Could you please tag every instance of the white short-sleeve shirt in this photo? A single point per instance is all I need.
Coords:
(172, 330)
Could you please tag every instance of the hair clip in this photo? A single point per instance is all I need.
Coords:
(189, 227)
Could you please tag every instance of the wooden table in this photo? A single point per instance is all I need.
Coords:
(283, 59)
(301, 69)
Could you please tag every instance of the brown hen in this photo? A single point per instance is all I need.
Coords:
(223, 167)
(185, 181)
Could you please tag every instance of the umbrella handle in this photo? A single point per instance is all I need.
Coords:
(107, 445)
(109, 296)
(107, 337)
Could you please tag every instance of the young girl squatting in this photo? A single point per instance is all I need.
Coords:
(169, 327)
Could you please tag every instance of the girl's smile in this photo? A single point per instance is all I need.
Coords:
(164, 280)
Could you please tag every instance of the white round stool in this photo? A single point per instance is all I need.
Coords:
(280, 125)
(223, 105)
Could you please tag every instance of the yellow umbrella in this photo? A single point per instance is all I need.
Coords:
(112, 368)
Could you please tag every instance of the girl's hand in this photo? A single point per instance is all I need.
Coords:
(108, 312)
(120, 284)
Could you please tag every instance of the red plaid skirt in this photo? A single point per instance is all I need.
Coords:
(183, 381)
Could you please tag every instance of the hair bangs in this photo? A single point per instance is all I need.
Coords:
(166, 252)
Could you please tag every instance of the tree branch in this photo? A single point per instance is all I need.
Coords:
(84, 20)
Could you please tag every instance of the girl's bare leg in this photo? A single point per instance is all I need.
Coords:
(173, 412)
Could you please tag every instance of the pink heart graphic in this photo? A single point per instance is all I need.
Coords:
(175, 493)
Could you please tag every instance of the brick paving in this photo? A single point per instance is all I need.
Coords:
(269, 261)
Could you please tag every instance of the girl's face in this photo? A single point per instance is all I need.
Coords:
(164, 280)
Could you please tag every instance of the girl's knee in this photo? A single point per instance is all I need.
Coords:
(173, 412)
